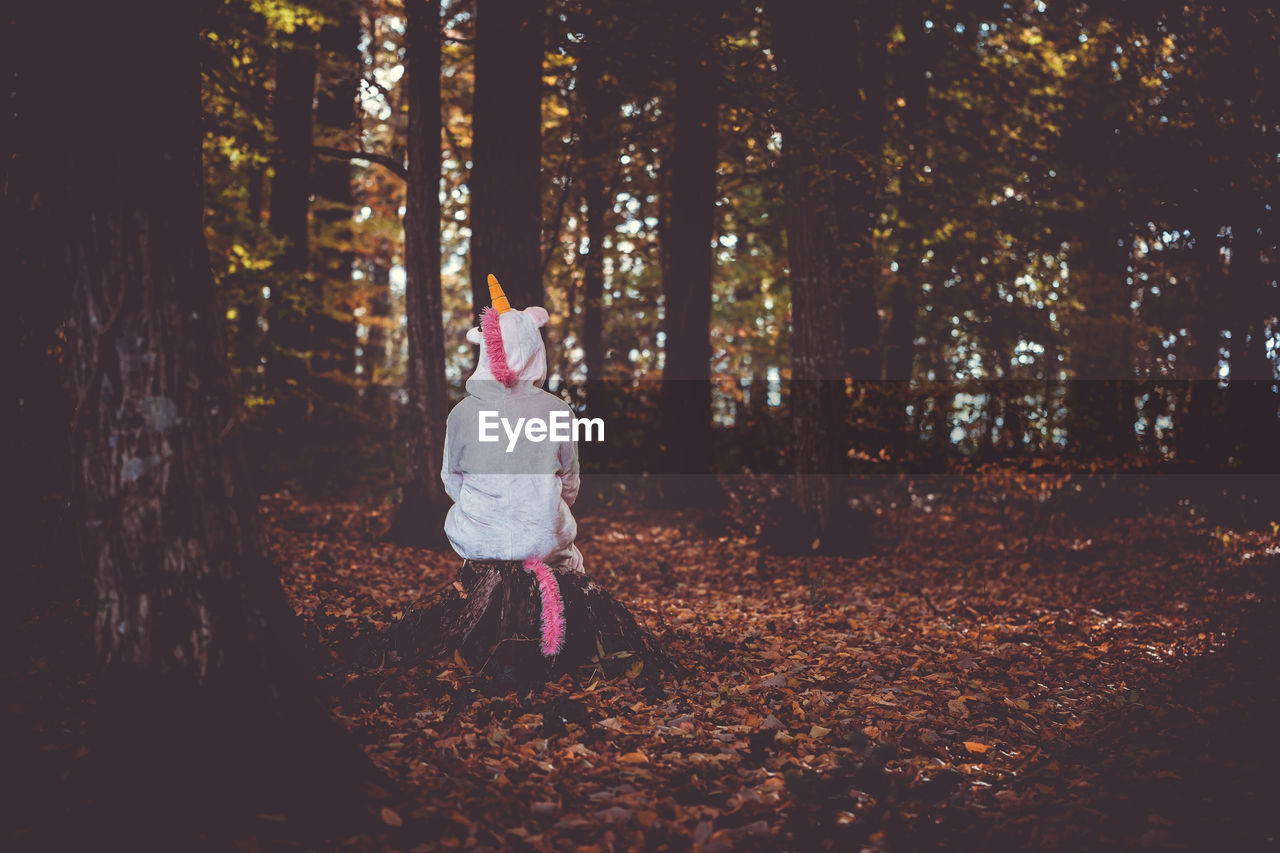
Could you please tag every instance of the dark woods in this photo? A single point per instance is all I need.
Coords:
(798, 238)
(1018, 233)
(787, 239)
(795, 254)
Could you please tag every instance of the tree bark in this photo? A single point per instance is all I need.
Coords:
(506, 152)
(247, 356)
(377, 354)
(598, 156)
(860, 108)
(1194, 437)
(1254, 432)
(818, 356)
(1100, 403)
(686, 284)
(898, 347)
(204, 714)
(334, 346)
(292, 296)
(420, 517)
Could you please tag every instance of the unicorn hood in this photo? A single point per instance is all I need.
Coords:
(513, 358)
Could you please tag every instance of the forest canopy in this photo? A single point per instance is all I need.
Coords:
(1070, 244)
(1022, 230)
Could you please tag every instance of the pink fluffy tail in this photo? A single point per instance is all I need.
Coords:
(552, 607)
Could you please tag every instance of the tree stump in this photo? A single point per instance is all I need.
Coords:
(495, 623)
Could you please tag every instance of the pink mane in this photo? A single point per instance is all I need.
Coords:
(492, 330)
(552, 607)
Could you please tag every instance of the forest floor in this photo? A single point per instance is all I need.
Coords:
(993, 677)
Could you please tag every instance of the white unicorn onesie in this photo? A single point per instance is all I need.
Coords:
(512, 502)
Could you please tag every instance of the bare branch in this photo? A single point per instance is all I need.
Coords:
(378, 87)
(567, 184)
(395, 166)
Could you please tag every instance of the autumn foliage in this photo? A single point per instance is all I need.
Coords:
(978, 684)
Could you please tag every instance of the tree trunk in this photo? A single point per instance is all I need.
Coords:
(378, 397)
(1100, 403)
(292, 299)
(1254, 432)
(860, 107)
(818, 355)
(1194, 434)
(334, 347)
(37, 466)
(506, 152)
(420, 517)
(247, 357)
(900, 343)
(377, 353)
(686, 374)
(204, 715)
(898, 347)
(598, 156)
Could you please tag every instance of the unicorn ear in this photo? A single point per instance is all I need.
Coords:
(474, 335)
(539, 315)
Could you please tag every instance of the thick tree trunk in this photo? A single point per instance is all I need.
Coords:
(686, 284)
(420, 517)
(898, 347)
(292, 296)
(35, 395)
(506, 152)
(817, 383)
(333, 358)
(818, 355)
(204, 713)
(860, 108)
(598, 157)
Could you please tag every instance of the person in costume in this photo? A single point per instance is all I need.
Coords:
(512, 504)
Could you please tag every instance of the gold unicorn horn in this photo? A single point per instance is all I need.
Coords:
(497, 297)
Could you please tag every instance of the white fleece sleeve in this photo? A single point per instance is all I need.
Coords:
(570, 481)
(449, 468)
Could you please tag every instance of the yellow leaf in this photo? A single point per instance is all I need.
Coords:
(390, 818)
(819, 731)
(634, 758)
(974, 746)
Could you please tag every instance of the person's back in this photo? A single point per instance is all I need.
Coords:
(511, 479)
(512, 494)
